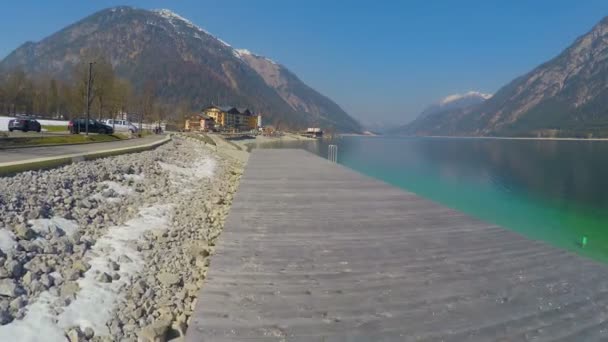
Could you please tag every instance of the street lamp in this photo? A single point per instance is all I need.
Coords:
(89, 97)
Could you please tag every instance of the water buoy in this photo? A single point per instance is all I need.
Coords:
(584, 241)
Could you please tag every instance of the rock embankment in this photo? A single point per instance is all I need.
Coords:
(113, 249)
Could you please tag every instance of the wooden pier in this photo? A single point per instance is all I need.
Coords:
(313, 251)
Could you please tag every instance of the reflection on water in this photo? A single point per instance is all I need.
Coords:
(551, 190)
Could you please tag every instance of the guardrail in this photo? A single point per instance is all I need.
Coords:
(332, 153)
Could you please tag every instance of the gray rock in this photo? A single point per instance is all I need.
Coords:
(69, 289)
(155, 332)
(24, 232)
(75, 335)
(5, 317)
(65, 246)
(14, 268)
(114, 266)
(4, 273)
(46, 280)
(18, 303)
(168, 279)
(137, 313)
(104, 278)
(36, 286)
(81, 266)
(89, 333)
(73, 274)
(56, 231)
(140, 287)
(8, 288)
(27, 278)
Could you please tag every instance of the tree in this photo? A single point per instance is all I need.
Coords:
(146, 102)
(103, 85)
(53, 99)
(15, 89)
(121, 99)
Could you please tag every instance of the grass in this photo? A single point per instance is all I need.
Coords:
(55, 128)
(59, 140)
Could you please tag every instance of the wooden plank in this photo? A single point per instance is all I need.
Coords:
(313, 251)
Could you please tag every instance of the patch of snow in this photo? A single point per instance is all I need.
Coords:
(134, 177)
(243, 52)
(223, 42)
(172, 16)
(7, 240)
(118, 188)
(454, 97)
(270, 60)
(37, 325)
(240, 53)
(95, 301)
(43, 226)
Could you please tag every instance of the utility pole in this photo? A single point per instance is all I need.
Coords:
(89, 97)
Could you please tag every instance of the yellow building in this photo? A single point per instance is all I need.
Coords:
(232, 118)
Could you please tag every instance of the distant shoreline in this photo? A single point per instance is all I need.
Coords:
(467, 137)
(513, 138)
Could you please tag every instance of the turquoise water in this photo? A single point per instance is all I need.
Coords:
(556, 191)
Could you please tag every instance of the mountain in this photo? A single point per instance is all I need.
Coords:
(456, 101)
(566, 96)
(185, 62)
(435, 115)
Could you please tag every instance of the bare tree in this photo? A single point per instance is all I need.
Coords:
(103, 85)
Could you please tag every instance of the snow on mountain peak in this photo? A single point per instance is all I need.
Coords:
(244, 52)
(171, 16)
(456, 97)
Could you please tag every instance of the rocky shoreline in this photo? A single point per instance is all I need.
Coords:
(112, 249)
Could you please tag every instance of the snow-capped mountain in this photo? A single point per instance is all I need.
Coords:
(456, 101)
(436, 113)
(565, 96)
(186, 62)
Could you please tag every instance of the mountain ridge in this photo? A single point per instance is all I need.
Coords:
(564, 96)
(185, 61)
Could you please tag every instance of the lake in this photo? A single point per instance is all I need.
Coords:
(556, 191)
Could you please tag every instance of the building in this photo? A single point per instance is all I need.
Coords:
(199, 122)
(232, 118)
(314, 132)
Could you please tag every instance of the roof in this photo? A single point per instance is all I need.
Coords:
(231, 109)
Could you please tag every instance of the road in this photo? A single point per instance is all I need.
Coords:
(18, 154)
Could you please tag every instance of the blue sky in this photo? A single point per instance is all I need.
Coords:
(380, 60)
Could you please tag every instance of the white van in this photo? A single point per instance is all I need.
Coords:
(121, 125)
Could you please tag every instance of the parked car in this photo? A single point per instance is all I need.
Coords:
(24, 124)
(121, 125)
(79, 125)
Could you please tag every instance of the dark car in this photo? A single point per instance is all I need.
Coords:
(24, 124)
(80, 125)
